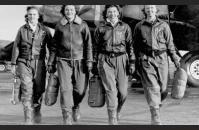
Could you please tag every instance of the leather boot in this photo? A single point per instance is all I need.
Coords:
(76, 114)
(119, 112)
(112, 117)
(118, 116)
(28, 117)
(67, 117)
(37, 114)
(28, 113)
(121, 101)
(163, 97)
(155, 116)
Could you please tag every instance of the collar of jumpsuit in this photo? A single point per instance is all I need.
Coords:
(77, 20)
(33, 26)
(151, 23)
(113, 23)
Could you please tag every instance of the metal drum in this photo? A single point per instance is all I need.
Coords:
(179, 84)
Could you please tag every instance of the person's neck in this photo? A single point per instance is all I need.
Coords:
(150, 19)
(70, 19)
(33, 23)
(113, 21)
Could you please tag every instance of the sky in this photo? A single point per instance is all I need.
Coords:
(11, 18)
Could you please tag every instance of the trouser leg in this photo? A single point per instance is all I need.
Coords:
(28, 113)
(153, 98)
(112, 117)
(26, 77)
(37, 114)
(107, 74)
(163, 80)
(150, 83)
(67, 117)
(38, 88)
(122, 82)
(155, 116)
(80, 83)
(65, 70)
(152, 88)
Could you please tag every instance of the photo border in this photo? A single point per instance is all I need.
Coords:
(103, 127)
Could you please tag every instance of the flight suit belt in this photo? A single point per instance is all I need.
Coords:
(28, 61)
(113, 54)
(153, 52)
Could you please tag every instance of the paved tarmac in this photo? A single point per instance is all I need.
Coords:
(135, 111)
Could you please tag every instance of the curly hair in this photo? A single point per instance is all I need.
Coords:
(104, 13)
(143, 11)
(62, 11)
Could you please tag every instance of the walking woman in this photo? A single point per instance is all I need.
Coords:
(114, 59)
(73, 48)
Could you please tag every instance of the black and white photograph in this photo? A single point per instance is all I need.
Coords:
(99, 64)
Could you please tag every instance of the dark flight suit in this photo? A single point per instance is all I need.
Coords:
(73, 48)
(114, 52)
(153, 43)
(29, 53)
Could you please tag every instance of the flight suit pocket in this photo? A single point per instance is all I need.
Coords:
(161, 40)
(160, 36)
(162, 59)
(120, 36)
(144, 61)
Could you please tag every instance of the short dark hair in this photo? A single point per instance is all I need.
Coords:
(62, 11)
(32, 7)
(109, 6)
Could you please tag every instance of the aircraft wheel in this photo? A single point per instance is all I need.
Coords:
(190, 63)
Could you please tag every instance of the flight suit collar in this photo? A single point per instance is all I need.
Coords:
(107, 22)
(77, 20)
(155, 23)
(28, 26)
(38, 32)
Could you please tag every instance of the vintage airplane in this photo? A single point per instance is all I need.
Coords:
(183, 20)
